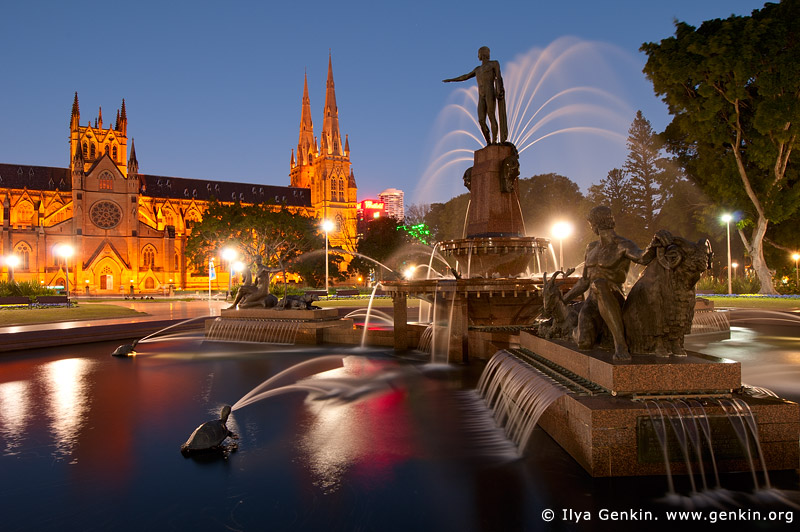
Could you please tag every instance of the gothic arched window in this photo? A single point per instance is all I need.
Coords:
(105, 181)
(92, 151)
(85, 151)
(24, 213)
(148, 257)
(23, 251)
(114, 152)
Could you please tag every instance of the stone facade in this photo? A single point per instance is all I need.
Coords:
(128, 230)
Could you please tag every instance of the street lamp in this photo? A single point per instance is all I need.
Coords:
(229, 254)
(12, 261)
(65, 251)
(327, 226)
(561, 230)
(796, 257)
(734, 265)
(727, 219)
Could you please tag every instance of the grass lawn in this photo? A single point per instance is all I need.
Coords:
(770, 303)
(84, 311)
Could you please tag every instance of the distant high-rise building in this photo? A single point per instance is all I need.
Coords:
(367, 211)
(393, 200)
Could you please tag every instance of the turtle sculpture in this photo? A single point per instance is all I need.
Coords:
(210, 435)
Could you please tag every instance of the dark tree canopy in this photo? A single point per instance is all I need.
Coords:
(732, 87)
(279, 237)
(381, 242)
(641, 193)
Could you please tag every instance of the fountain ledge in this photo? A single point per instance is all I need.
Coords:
(310, 327)
(607, 432)
(643, 374)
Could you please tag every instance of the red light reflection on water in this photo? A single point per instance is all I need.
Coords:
(363, 439)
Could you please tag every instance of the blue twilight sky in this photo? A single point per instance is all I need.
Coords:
(213, 89)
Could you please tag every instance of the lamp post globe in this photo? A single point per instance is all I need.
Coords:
(727, 218)
(229, 255)
(12, 261)
(65, 251)
(561, 230)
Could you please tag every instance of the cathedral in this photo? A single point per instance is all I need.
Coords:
(128, 230)
(324, 168)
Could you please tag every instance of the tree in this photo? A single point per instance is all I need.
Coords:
(446, 220)
(638, 192)
(647, 171)
(549, 198)
(279, 237)
(416, 213)
(381, 242)
(613, 191)
(732, 89)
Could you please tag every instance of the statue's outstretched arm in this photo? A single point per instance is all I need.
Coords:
(465, 77)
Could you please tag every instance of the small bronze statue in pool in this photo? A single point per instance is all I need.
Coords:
(210, 435)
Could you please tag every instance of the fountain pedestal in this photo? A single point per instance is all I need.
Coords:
(604, 421)
(494, 210)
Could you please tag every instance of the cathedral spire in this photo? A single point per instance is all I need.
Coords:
(75, 118)
(330, 125)
(305, 144)
(100, 118)
(133, 164)
(123, 119)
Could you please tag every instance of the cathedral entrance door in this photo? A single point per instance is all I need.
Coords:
(106, 282)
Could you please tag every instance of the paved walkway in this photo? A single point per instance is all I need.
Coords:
(159, 315)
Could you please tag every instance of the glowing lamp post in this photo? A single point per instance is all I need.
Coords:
(796, 257)
(12, 261)
(229, 254)
(65, 251)
(561, 230)
(327, 226)
(727, 219)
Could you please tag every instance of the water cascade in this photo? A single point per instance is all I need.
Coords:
(517, 394)
(366, 318)
(254, 330)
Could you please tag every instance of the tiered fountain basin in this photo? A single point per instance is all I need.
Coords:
(498, 256)
(605, 424)
(308, 327)
(480, 315)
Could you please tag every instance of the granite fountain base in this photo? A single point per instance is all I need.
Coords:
(604, 421)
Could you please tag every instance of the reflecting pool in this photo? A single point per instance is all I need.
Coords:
(91, 442)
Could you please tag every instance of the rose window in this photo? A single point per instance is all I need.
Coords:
(105, 214)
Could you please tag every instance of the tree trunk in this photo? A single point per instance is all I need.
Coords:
(755, 247)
